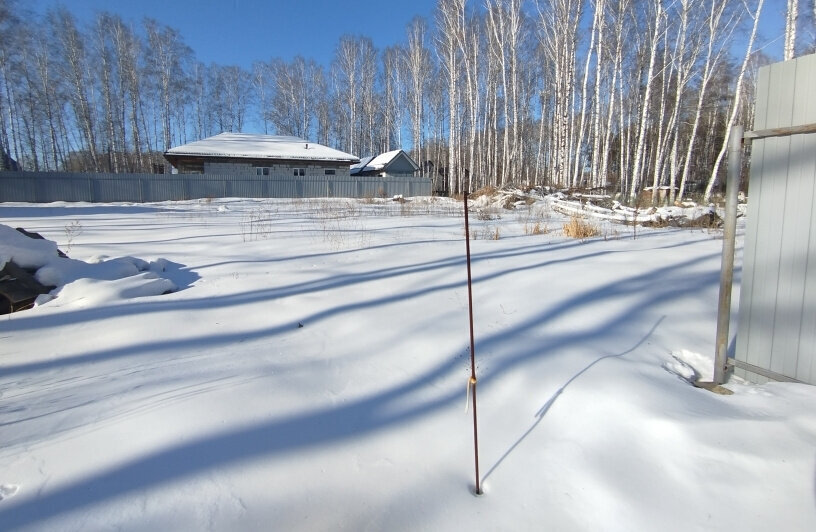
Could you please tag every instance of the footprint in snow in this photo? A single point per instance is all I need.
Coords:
(8, 490)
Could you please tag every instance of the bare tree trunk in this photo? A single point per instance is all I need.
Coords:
(656, 146)
(261, 74)
(579, 144)
(617, 75)
(712, 58)
(600, 8)
(418, 65)
(558, 27)
(735, 106)
(644, 115)
(75, 62)
(791, 17)
(499, 33)
(348, 66)
(450, 17)
(105, 58)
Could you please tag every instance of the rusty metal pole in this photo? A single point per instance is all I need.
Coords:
(472, 381)
(729, 237)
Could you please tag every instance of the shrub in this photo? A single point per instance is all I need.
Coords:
(579, 228)
(538, 230)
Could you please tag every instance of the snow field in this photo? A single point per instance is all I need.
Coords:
(210, 407)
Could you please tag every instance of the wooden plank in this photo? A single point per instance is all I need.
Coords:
(769, 375)
(779, 132)
(18, 288)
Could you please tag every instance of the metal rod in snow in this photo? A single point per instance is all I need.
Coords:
(729, 237)
(472, 381)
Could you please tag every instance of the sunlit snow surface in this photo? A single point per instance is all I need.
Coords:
(307, 371)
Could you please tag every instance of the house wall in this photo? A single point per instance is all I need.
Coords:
(276, 170)
(400, 167)
(777, 310)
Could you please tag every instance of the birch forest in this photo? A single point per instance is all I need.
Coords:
(624, 96)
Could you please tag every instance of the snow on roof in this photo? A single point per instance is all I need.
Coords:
(254, 146)
(379, 162)
(362, 164)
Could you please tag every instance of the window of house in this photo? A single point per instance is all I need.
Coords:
(329, 172)
(260, 170)
(299, 171)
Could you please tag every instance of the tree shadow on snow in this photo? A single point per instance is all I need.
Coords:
(547, 405)
(78, 209)
(299, 431)
(397, 405)
(181, 275)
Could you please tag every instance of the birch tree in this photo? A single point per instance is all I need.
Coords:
(106, 54)
(128, 49)
(677, 74)
(167, 57)
(52, 102)
(418, 67)
(8, 24)
(75, 69)
(202, 111)
(558, 34)
(655, 26)
(791, 18)
(577, 166)
(450, 22)
(347, 70)
(294, 102)
(369, 130)
(735, 105)
(393, 91)
(715, 25)
(632, 93)
(262, 74)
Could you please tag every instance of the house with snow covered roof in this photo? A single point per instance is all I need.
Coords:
(395, 163)
(264, 155)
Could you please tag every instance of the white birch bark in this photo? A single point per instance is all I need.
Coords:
(712, 58)
(597, 100)
(735, 107)
(617, 76)
(418, 65)
(644, 115)
(791, 17)
(579, 144)
(450, 18)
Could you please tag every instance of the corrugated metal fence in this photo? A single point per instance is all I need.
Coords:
(45, 187)
(777, 312)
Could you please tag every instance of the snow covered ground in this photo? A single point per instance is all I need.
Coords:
(308, 371)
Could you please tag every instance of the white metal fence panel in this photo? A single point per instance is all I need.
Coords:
(777, 316)
(45, 187)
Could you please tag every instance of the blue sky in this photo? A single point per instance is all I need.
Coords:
(231, 32)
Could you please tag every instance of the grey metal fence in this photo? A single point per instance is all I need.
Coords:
(776, 335)
(46, 187)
